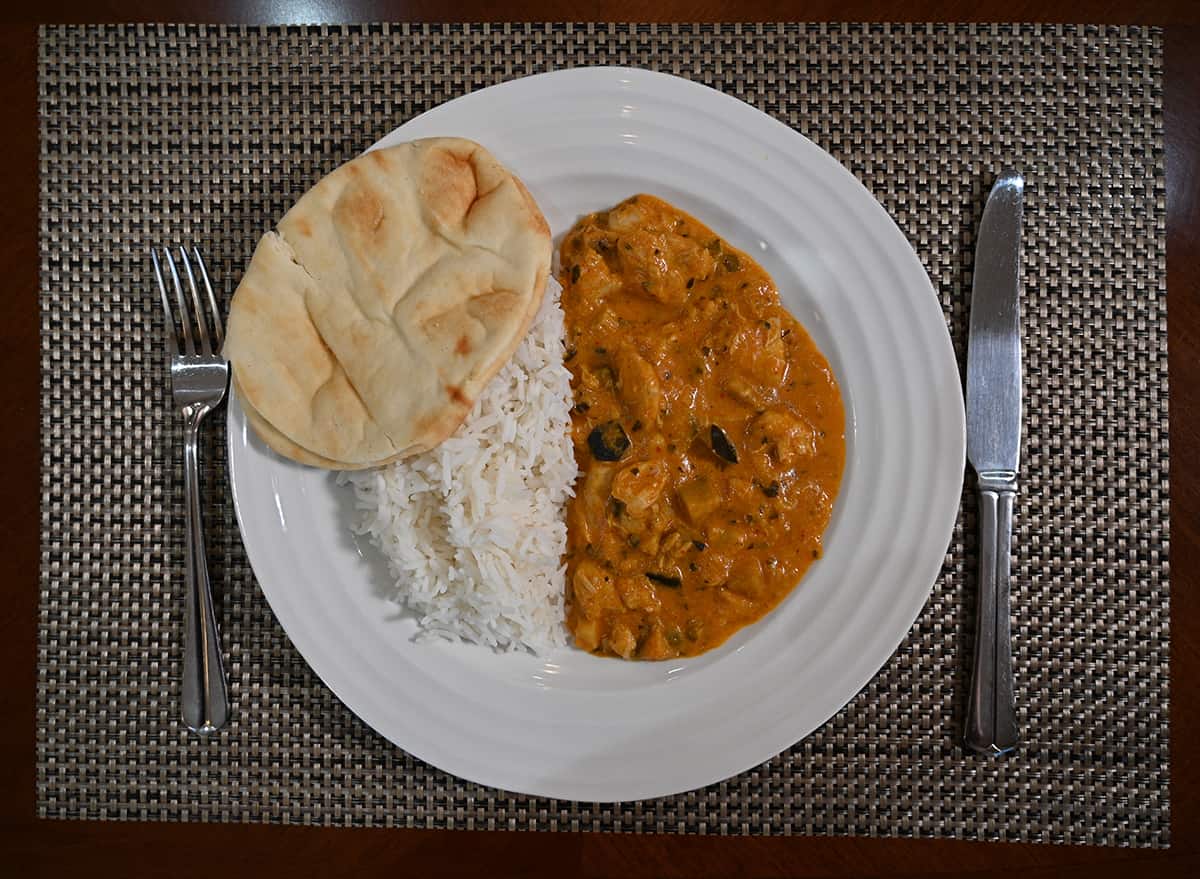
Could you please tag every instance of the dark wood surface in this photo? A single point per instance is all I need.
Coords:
(29, 847)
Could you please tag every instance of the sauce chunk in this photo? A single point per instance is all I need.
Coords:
(708, 429)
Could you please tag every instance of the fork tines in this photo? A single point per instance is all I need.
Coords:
(186, 314)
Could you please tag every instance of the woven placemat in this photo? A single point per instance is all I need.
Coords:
(208, 133)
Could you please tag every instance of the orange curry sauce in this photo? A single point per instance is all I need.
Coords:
(708, 429)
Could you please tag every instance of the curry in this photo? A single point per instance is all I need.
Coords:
(708, 430)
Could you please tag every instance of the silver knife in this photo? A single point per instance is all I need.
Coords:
(993, 447)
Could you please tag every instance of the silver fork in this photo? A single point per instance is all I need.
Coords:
(199, 379)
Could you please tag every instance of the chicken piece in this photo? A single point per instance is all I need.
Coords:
(757, 351)
(637, 384)
(660, 261)
(639, 485)
(626, 217)
(607, 322)
(647, 539)
(692, 261)
(594, 497)
(672, 546)
(745, 391)
(587, 635)
(596, 279)
(643, 532)
(726, 536)
(790, 437)
(635, 528)
(809, 494)
(746, 577)
(735, 604)
(699, 498)
(593, 387)
(712, 567)
(637, 593)
(593, 591)
(656, 646)
(707, 309)
(769, 360)
(664, 345)
(621, 640)
(646, 254)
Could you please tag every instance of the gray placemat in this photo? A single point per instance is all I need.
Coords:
(208, 133)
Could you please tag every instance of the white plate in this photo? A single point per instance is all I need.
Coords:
(572, 725)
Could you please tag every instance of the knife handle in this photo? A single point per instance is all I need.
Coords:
(991, 709)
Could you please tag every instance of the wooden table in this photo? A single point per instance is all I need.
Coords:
(29, 847)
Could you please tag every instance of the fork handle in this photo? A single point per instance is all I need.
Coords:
(991, 708)
(205, 700)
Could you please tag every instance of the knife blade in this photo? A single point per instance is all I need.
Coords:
(993, 448)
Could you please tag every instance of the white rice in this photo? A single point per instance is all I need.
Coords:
(474, 530)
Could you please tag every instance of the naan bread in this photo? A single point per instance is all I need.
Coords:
(368, 322)
(281, 445)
